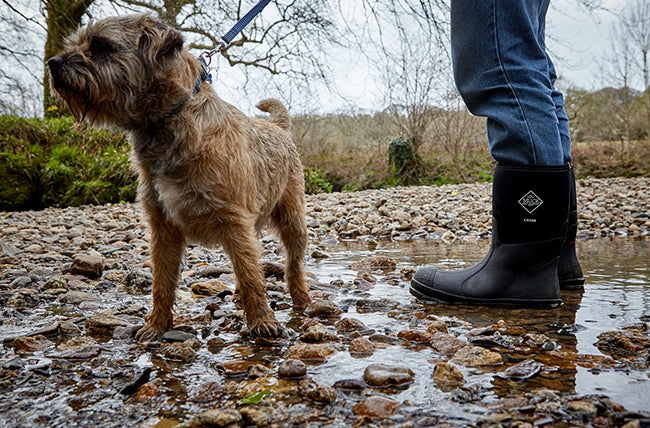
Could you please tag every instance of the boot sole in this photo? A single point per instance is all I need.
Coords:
(439, 296)
(572, 284)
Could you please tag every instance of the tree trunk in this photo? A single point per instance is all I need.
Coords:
(63, 17)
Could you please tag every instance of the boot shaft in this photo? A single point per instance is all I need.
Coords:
(530, 203)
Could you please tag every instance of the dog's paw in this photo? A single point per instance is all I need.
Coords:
(268, 327)
(149, 333)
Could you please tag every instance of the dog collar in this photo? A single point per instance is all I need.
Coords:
(205, 76)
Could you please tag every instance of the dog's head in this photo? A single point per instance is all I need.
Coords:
(122, 70)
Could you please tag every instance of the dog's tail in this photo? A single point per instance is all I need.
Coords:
(279, 113)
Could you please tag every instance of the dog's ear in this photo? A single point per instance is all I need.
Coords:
(157, 41)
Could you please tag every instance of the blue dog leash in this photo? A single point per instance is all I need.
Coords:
(230, 35)
(224, 43)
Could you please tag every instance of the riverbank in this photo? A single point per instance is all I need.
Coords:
(75, 286)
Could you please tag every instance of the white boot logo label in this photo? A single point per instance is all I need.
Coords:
(530, 201)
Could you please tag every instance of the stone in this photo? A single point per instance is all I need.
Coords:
(376, 406)
(476, 356)
(445, 343)
(310, 352)
(384, 376)
(414, 336)
(183, 352)
(32, 343)
(177, 336)
(208, 288)
(520, 371)
(229, 418)
(447, 377)
(322, 308)
(318, 333)
(88, 265)
(104, 322)
(292, 369)
(350, 324)
(361, 347)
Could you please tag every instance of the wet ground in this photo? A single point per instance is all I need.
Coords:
(68, 362)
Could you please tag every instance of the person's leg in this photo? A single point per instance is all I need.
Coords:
(501, 70)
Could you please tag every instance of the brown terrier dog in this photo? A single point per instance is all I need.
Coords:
(207, 173)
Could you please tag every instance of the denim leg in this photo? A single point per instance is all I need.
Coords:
(502, 72)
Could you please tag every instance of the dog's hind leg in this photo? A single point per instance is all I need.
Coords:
(241, 245)
(289, 219)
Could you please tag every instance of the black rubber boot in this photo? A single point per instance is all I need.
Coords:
(530, 207)
(569, 271)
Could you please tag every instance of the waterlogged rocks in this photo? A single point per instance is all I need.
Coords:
(365, 352)
(384, 376)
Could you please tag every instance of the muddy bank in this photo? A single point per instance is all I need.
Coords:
(75, 285)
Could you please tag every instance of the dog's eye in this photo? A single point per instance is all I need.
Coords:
(100, 47)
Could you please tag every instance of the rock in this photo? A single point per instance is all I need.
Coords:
(375, 262)
(138, 381)
(361, 347)
(235, 368)
(437, 325)
(138, 279)
(414, 336)
(476, 356)
(183, 352)
(521, 371)
(75, 297)
(322, 308)
(206, 393)
(308, 352)
(273, 269)
(384, 376)
(318, 393)
(104, 322)
(229, 418)
(623, 344)
(447, 377)
(208, 288)
(32, 343)
(445, 343)
(147, 392)
(88, 265)
(177, 336)
(350, 324)
(263, 415)
(292, 369)
(76, 343)
(318, 333)
(376, 406)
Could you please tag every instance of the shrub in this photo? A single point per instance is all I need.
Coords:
(56, 162)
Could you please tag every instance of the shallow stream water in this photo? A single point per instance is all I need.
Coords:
(42, 389)
(617, 294)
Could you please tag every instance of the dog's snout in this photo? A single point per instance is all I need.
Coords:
(55, 63)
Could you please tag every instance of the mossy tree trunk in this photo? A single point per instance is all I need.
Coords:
(62, 18)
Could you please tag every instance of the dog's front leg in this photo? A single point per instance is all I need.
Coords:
(244, 251)
(167, 246)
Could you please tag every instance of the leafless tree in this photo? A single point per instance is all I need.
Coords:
(635, 19)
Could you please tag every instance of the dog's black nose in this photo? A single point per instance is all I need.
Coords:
(55, 63)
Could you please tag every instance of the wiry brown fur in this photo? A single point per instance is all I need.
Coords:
(207, 173)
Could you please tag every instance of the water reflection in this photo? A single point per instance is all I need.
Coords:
(617, 293)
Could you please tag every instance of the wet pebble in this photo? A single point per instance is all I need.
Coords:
(376, 406)
(383, 376)
(476, 356)
(292, 369)
(361, 347)
(323, 308)
(183, 352)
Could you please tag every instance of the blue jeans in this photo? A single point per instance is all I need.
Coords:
(503, 72)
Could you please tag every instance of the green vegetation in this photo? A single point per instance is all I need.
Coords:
(56, 162)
